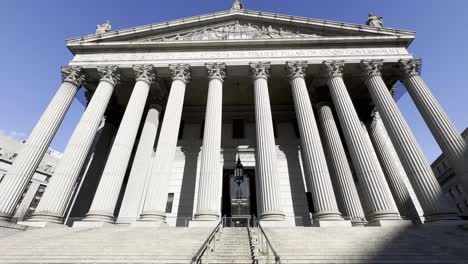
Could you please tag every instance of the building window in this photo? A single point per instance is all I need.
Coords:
(238, 128)
(181, 129)
(35, 201)
(170, 201)
(202, 129)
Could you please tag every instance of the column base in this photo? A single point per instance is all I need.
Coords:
(390, 223)
(203, 223)
(459, 222)
(272, 216)
(156, 224)
(441, 217)
(45, 217)
(328, 223)
(384, 216)
(275, 223)
(8, 225)
(358, 223)
(41, 224)
(91, 224)
(327, 216)
(155, 216)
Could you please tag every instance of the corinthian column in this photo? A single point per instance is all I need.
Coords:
(375, 189)
(209, 188)
(134, 193)
(396, 176)
(53, 204)
(105, 199)
(24, 166)
(156, 196)
(268, 178)
(326, 208)
(416, 166)
(339, 166)
(444, 131)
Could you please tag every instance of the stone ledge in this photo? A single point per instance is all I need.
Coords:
(322, 223)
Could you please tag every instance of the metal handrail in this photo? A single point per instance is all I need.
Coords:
(269, 244)
(197, 257)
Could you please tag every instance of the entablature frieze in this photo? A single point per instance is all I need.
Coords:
(240, 57)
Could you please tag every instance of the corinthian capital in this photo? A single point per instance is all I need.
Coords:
(333, 68)
(109, 73)
(180, 72)
(371, 68)
(296, 69)
(260, 70)
(216, 71)
(409, 67)
(146, 73)
(73, 74)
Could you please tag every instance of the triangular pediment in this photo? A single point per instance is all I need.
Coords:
(240, 25)
(233, 30)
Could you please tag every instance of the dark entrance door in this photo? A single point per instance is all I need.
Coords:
(239, 203)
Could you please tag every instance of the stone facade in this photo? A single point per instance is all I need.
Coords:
(239, 113)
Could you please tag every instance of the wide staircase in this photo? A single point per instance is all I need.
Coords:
(416, 244)
(101, 245)
(232, 246)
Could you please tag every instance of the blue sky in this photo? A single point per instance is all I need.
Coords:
(33, 49)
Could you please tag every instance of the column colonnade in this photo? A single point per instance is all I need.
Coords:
(333, 188)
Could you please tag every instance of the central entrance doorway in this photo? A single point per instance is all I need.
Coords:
(239, 203)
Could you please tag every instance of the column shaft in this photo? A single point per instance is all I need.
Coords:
(339, 166)
(161, 168)
(416, 166)
(209, 188)
(22, 170)
(134, 193)
(268, 179)
(392, 167)
(105, 199)
(315, 164)
(376, 191)
(442, 128)
(57, 195)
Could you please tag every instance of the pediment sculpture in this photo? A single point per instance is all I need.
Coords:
(234, 31)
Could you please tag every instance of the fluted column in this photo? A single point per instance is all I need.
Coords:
(156, 196)
(315, 165)
(339, 166)
(24, 166)
(442, 128)
(268, 178)
(134, 192)
(416, 166)
(209, 189)
(105, 199)
(375, 189)
(392, 167)
(54, 201)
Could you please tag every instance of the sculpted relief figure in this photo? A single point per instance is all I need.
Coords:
(374, 21)
(103, 28)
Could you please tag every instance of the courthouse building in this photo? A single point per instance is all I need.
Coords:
(240, 113)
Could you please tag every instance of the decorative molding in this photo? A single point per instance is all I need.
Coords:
(232, 31)
(216, 71)
(74, 75)
(233, 56)
(109, 73)
(146, 73)
(410, 67)
(371, 68)
(333, 68)
(180, 72)
(260, 70)
(296, 69)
